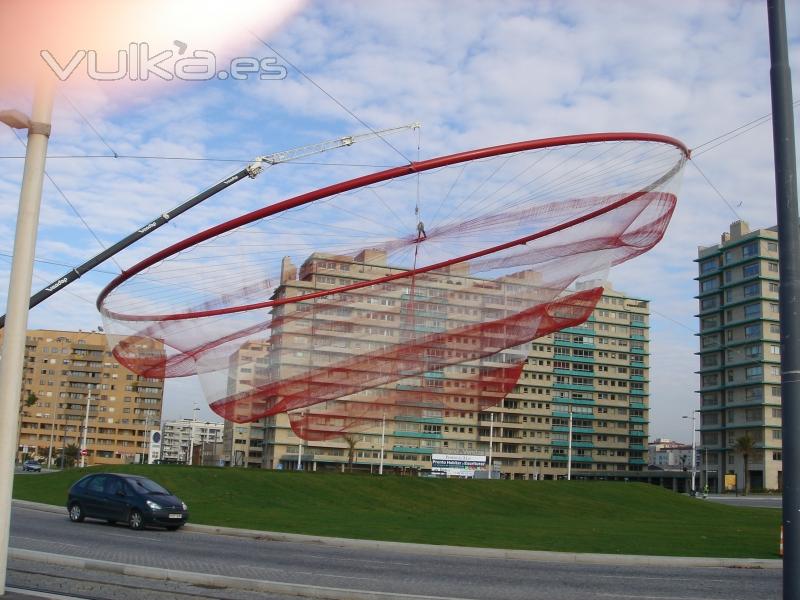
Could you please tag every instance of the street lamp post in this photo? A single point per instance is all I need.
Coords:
(694, 458)
(383, 441)
(491, 443)
(569, 447)
(52, 433)
(86, 426)
(19, 287)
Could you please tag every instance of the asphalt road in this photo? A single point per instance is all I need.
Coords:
(758, 501)
(417, 573)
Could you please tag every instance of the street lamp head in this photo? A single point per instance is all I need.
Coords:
(15, 119)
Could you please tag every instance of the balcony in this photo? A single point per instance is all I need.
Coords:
(571, 386)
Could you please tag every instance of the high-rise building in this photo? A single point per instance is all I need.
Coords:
(740, 381)
(591, 379)
(184, 440)
(66, 371)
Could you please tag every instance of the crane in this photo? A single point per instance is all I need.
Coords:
(250, 171)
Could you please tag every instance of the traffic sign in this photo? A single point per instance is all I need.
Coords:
(84, 452)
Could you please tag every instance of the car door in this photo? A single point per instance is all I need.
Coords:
(94, 498)
(117, 498)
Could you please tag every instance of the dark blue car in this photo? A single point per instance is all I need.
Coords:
(131, 499)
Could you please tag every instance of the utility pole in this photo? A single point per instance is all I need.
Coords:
(789, 300)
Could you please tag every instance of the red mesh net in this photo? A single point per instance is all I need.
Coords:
(342, 308)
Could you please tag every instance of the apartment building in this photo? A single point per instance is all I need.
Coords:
(668, 454)
(592, 379)
(740, 382)
(187, 441)
(67, 372)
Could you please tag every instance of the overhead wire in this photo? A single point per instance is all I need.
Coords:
(329, 95)
(72, 206)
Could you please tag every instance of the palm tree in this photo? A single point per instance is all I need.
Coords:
(745, 446)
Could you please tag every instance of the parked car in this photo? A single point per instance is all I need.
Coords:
(31, 465)
(131, 499)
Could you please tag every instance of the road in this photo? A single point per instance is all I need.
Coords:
(419, 572)
(758, 501)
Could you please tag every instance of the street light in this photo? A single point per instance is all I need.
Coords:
(19, 287)
(86, 426)
(569, 447)
(694, 458)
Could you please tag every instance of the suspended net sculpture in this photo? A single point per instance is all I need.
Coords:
(406, 293)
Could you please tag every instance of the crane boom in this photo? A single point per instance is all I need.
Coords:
(251, 171)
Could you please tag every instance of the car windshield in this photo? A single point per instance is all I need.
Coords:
(145, 486)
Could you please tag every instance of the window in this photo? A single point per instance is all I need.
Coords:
(754, 373)
(773, 267)
(774, 349)
(709, 323)
(708, 265)
(750, 249)
(752, 331)
(774, 308)
(774, 287)
(709, 303)
(752, 310)
(753, 351)
(709, 284)
(750, 270)
(752, 289)
(772, 246)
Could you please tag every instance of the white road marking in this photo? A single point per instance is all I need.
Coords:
(379, 562)
(658, 578)
(46, 541)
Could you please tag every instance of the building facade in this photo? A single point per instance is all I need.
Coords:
(190, 442)
(667, 454)
(592, 378)
(67, 371)
(740, 382)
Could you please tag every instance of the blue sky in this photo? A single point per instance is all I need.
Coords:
(475, 74)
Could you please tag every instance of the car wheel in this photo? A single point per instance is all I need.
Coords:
(76, 513)
(135, 520)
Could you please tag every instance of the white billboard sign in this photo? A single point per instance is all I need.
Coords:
(457, 465)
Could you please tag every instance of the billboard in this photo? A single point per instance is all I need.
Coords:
(154, 451)
(457, 465)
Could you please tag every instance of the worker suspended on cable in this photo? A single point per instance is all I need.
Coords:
(421, 235)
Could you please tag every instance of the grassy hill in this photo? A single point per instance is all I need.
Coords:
(576, 516)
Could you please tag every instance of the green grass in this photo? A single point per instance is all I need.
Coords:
(577, 516)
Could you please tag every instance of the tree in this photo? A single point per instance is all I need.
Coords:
(745, 446)
(31, 399)
(69, 456)
(351, 440)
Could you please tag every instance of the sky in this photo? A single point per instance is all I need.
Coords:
(475, 74)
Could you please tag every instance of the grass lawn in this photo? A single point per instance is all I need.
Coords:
(576, 516)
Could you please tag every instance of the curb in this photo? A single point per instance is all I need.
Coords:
(467, 551)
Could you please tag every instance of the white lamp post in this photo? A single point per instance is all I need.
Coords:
(569, 447)
(19, 288)
(694, 459)
(86, 426)
(383, 440)
(491, 443)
